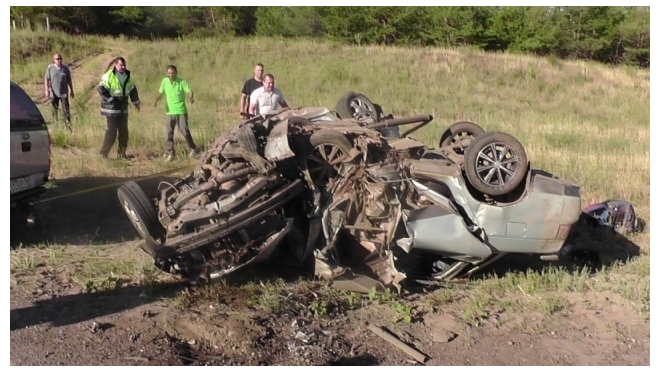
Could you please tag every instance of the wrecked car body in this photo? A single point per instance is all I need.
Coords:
(344, 190)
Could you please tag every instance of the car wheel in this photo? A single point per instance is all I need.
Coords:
(246, 139)
(330, 148)
(141, 212)
(495, 163)
(358, 106)
(461, 133)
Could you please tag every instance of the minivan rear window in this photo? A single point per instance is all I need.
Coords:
(22, 110)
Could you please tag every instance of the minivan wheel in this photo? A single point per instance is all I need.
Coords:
(141, 212)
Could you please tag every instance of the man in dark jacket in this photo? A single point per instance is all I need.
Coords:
(116, 88)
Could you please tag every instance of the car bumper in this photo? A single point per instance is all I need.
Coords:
(26, 196)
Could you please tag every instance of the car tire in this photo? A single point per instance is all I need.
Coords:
(357, 106)
(246, 139)
(458, 131)
(327, 141)
(141, 212)
(491, 176)
(378, 109)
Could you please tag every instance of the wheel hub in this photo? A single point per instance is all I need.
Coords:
(135, 219)
(360, 109)
(495, 162)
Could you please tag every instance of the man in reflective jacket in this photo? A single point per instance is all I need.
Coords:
(116, 88)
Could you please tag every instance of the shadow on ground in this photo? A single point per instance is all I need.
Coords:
(590, 249)
(71, 309)
(361, 360)
(89, 218)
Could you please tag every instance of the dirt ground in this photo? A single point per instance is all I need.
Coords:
(54, 321)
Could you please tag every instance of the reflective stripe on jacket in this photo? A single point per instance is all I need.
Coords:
(115, 96)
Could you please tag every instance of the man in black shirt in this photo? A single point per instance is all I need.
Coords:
(251, 85)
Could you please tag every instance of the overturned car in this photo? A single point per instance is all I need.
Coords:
(345, 190)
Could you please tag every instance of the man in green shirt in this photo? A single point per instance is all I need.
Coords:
(175, 90)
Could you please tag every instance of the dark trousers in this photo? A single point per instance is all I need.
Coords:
(55, 103)
(171, 122)
(116, 125)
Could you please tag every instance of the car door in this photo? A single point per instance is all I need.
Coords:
(30, 143)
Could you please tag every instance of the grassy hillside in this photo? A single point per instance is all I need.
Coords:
(30, 52)
(582, 121)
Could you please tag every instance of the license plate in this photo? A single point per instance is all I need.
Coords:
(20, 184)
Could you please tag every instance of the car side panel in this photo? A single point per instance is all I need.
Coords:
(538, 223)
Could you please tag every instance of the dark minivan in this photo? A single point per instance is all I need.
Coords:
(30, 147)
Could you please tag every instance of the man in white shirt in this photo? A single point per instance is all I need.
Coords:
(266, 97)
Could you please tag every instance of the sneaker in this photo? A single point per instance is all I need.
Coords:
(169, 158)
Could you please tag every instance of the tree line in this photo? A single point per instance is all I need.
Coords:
(612, 35)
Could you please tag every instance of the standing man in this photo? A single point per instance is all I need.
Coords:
(57, 83)
(116, 88)
(266, 97)
(248, 87)
(175, 89)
